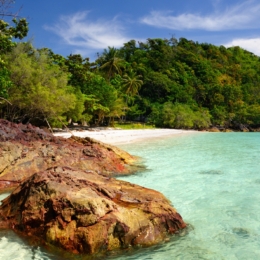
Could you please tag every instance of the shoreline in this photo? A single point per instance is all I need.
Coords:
(118, 136)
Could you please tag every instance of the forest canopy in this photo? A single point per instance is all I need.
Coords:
(175, 83)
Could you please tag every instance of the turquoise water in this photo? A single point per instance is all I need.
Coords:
(212, 179)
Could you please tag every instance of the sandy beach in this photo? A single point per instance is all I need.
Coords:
(116, 136)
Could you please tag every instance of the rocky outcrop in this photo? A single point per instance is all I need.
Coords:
(65, 195)
(25, 150)
(86, 212)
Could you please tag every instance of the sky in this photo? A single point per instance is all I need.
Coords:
(87, 27)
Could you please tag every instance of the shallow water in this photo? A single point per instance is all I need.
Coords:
(213, 180)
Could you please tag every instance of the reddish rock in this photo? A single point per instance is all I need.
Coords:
(84, 212)
(25, 150)
(66, 196)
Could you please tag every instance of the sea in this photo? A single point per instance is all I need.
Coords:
(212, 179)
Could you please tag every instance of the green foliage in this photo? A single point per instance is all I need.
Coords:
(179, 116)
(131, 83)
(209, 83)
(155, 117)
(5, 82)
(253, 115)
(8, 32)
(131, 125)
(77, 67)
(78, 113)
(171, 83)
(39, 88)
(103, 98)
(110, 62)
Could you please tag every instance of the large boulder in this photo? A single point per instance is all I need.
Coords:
(25, 150)
(86, 212)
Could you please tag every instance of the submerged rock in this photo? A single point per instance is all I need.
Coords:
(25, 150)
(85, 212)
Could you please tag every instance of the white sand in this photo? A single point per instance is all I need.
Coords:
(114, 137)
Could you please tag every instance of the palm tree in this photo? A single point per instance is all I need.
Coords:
(132, 83)
(111, 62)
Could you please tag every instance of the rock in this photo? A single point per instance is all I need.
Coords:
(85, 212)
(66, 195)
(228, 130)
(243, 128)
(240, 127)
(213, 129)
(25, 150)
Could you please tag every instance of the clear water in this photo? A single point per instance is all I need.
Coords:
(213, 180)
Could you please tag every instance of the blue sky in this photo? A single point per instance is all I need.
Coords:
(90, 26)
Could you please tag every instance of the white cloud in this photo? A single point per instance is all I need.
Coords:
(240, 16)
(252, 45)
(77, 31)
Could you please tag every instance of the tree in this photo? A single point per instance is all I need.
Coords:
(110, 62)
(128, 50)
(103, 98)
(39, 88)
(78, 69)
(182, 116)
(78, 113)
(116, 108)
(156, 86)
(8, 32)
(131, 83)
(5, 81)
